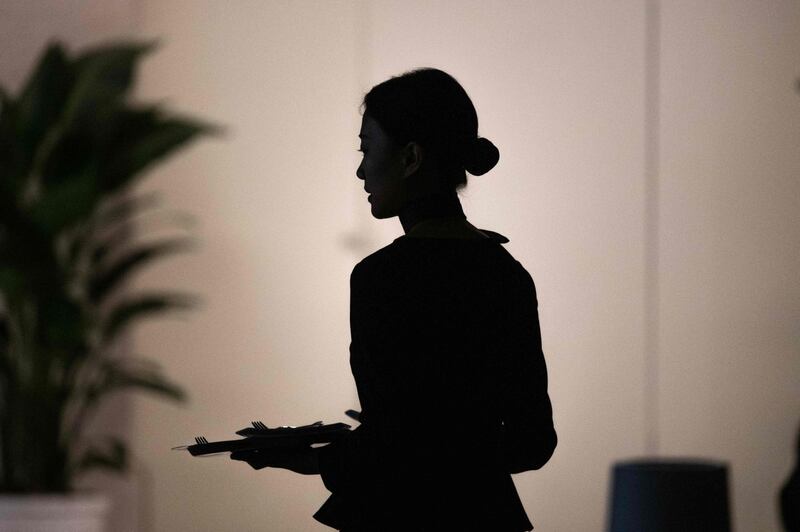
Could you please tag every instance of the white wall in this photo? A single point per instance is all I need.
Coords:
(560, 88)
(730, 253)
(275, 205)
(26, 26)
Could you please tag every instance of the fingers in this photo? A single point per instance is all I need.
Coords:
(290, 458)
(253, 458)
(243, 455)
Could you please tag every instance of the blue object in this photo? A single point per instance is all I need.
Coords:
(669, 496)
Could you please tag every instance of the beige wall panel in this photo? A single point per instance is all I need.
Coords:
(273, 203)
(730, 227)
(27, 26)
(559, 88)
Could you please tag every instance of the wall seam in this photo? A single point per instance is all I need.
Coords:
(651, 226)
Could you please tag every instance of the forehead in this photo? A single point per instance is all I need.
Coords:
(370, 128)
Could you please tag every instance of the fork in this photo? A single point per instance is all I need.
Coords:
(201, 440)
(261, 426)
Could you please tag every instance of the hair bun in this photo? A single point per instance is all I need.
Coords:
(481, 157)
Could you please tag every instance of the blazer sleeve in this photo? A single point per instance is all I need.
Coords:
(528, 437)
(344, 463)
(341, 463)
(393, 387)
(397, 382)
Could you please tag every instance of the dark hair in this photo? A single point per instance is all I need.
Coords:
(430, 107)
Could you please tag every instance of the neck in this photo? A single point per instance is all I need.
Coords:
(436, 206)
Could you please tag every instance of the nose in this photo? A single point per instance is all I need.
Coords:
(360, 172)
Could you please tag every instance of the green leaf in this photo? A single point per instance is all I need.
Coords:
(101, 250)
(121, 236)
(143, 137)
(104, 282)
(110, 453)
(5, 100)
(102, 78)
(119, 210)
(12, 166)
(140, 307)
(103, 75)
(5, 341)
(108, 227)
(12, 281)
(28, 262)
(154, 383)
(116, 228)
(63, 327)
(68, 152)
(67, 203)
(41, 102)
(121, 374)
(140, 374)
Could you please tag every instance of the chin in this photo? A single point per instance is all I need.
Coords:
(381, 214)
(380, 210)
(375, 208)
(378, 214)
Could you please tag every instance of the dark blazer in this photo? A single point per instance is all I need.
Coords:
(447, 358)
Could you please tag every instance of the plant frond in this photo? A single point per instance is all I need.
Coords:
(71, 148)
(104, 75)
(141, 138)
(137, 373)
(117, 210)
(108, 453)
(142, 306)
(77, 143)
(67, 202)
(121, 235)
(103, 282)
(63, 325)
(41, 102)
(13, 166)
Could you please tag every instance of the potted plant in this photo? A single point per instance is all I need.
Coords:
(72, 145)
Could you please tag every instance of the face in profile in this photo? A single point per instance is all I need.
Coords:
(381, 169)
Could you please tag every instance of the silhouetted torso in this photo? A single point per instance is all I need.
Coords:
(446, 356)
(789, 496)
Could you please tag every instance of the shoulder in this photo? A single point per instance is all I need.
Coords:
(377, 258)
(497, 237)
(379, 261)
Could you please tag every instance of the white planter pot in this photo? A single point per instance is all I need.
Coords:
(53, 513)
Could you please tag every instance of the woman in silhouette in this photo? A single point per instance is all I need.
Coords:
(446, 350)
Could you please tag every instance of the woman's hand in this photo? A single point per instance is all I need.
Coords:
(303, 460)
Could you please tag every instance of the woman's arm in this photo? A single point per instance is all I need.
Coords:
(528, 437)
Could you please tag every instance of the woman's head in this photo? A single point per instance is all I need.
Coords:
(427, 136)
